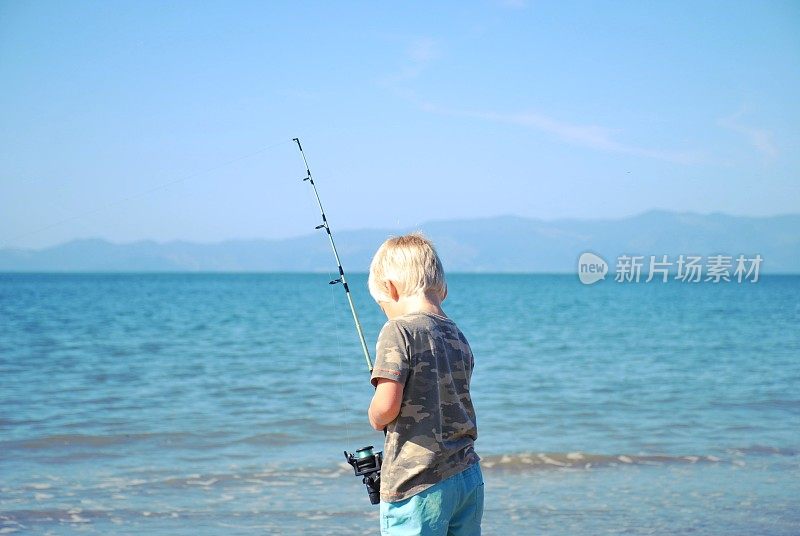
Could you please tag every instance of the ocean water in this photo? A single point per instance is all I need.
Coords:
(203, 404)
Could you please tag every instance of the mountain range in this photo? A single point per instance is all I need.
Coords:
(497, 244)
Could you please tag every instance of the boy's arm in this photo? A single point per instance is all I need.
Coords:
(385, 405)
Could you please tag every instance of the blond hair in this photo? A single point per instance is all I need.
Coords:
(410, 262)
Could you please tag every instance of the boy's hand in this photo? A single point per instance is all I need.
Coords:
(385, 405)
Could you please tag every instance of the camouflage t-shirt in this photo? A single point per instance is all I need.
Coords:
(432, 437)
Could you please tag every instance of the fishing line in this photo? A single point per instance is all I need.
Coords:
(339, 354)
(341, 368)
(138, 195)
(341, 279)
(365, 462)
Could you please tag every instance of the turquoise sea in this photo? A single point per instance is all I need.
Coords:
(206, 404)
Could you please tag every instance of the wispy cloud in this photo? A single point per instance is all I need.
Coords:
(591, 136)
(423, 50)
(759, 138)
(419, 54)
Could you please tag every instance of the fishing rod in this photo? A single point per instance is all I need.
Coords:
(341, 279)
(365, 462)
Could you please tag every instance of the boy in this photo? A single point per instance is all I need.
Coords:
(431, 482)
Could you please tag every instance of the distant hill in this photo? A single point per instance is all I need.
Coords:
(499, 244)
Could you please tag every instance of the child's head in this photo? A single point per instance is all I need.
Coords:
(412, 266)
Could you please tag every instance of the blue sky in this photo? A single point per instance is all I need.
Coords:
(173, 120)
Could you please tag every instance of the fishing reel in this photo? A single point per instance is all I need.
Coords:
(367, 463)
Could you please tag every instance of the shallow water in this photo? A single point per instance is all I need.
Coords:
(202, 403)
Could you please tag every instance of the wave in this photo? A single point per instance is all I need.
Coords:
(585, 460)
(268, 475)
(88, 440)
(182, 440)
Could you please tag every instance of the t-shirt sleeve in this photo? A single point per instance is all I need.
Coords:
(392, 357)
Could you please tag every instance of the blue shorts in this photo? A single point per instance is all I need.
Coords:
(453, 507)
